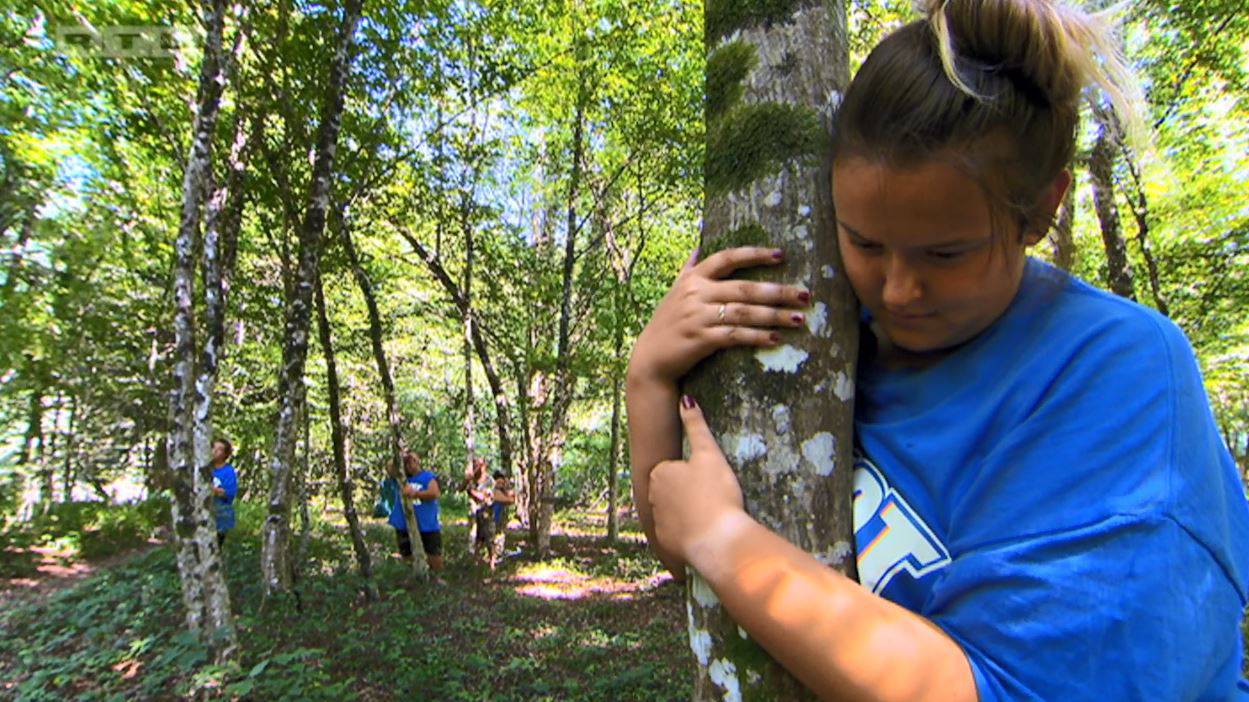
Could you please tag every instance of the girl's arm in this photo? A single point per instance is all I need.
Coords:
(431, 491)
(701, 314)
(839, 639)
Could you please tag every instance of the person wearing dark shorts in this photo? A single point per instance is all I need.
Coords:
(422, 487)
(431, 542)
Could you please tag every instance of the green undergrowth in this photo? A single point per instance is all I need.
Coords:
(74, 531)
(608, 632)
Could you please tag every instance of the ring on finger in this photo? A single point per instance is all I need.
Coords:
(720, 314)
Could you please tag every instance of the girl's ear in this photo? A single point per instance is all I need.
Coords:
(1047, 204)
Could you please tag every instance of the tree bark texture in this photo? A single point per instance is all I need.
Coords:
(275, 566)
(1064, 242)
(782, 416)
(204, 592)
(470, 424)
(1101, 174)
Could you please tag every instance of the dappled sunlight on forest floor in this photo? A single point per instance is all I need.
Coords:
(592, 621)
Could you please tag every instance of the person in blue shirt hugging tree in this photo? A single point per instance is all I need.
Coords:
(422, 487)
(225, 487)
(1044, 508)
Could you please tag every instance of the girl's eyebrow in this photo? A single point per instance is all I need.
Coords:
(939, 245)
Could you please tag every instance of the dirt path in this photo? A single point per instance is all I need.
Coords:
(57, 569)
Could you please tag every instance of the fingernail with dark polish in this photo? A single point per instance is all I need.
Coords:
(797, 319)
(687, 402)
(774, 338)
(778, 254)
(804, 297)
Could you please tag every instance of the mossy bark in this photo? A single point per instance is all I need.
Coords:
(783, 417)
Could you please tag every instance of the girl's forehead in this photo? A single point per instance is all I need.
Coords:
(930, 199)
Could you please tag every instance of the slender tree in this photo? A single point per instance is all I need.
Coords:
(204, 592)
(275, 562)
(338, 441)
(1101, 174)
(394, 467)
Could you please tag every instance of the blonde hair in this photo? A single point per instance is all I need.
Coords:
(1062, 48)
(994, 85)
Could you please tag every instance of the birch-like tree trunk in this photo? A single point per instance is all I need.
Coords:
(1064, 242)
(783, 416)
(338, 439)
(275, 566)
(204, 593)
(1101, 176)
(394, 468)
(470, 424)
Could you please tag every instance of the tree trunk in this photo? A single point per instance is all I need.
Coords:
(557, 391)
(502, 404)
(420, 567)
(275, 564)
(613, 459)
(204, 592)
(1064, 242)
(68, 475)
(32, 442)
(784, 416)
(364, 561)
(1139, 204)
(1101, 173)
(470, 429)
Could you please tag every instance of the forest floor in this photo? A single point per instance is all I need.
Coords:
(591, 622)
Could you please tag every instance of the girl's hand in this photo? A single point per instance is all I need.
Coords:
(693, 501)
(703, 313)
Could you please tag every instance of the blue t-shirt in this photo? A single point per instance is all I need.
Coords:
(1056, 497)
(426, 510)
(225, 478)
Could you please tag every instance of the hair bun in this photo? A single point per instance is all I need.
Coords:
(1059, 49)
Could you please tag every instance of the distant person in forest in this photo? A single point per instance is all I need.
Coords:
(480, 489)
(504, 498)
(422, 486)
(1043, 506)
(225, 487)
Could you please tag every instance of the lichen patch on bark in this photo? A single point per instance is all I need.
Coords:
(782, 359)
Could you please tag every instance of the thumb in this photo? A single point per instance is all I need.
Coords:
(696, 428)
(693, 259)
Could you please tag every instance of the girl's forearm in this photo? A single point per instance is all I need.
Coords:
(839, 639)
(654, 436)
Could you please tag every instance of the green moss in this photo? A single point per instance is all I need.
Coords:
(745, 653)
(752, 141)
(727, 67)
(722, 17)
(749, 235)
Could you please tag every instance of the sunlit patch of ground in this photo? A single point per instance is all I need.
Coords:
(49, 562)
(553, 582)
(50, 568)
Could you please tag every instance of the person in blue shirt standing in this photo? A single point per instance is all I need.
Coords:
(1044, 508)
(422, 487)
(225, 487)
